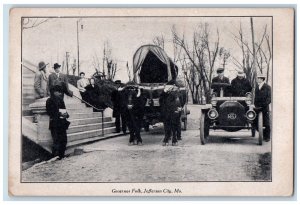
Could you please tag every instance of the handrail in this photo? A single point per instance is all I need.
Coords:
(28, 68)
(101, 110)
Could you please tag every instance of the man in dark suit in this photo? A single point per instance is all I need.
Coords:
(262, 101)
(220, 79)
(240, 85)
(57, 78)
(93, 93)
(119, 108)
(58, 124)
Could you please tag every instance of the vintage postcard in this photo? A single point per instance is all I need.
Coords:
(151, 102)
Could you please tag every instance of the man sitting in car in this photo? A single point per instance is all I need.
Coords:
(240, 85)
(216, 83)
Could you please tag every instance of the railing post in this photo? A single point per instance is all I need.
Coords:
(102, 122)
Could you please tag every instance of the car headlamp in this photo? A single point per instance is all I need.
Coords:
(251, 115)
(212, 114)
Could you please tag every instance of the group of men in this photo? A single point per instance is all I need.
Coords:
(55, 85)
(239, 87)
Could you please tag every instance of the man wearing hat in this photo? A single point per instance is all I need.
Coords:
(262, 101)
(118, 108)
(57, 78)
(240, 85)
(40, 81)
(220, 79)
(58, 123)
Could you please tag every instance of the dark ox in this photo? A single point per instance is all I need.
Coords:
(134, 103)
(170, 102)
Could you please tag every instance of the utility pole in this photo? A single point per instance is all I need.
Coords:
(104, 58)
(254, 59)
(78, 47)
(67, 62)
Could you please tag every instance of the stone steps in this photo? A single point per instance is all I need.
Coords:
(84, 121)
(76, 110)
(88, 134)
(85, 115)
(86, 127)
(28, 95)
(78, 106)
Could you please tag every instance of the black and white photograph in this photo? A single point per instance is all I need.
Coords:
(147, 98)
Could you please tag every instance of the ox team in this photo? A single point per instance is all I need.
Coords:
(129, 103)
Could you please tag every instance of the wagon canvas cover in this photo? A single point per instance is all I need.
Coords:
(151, 64)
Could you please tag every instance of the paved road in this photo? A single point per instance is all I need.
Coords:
(226, 157)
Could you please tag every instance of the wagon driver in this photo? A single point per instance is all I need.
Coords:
(220, 79)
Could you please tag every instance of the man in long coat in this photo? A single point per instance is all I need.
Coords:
(119, 108)
(58, 78)
(58, 124)
(263, 96)
(220, 79)
(240, 85)
(40, 82)
(93, 93)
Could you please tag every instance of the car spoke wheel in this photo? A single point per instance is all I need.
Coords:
(202, 128)
(253, 131)
(184, 123)
(260, 128)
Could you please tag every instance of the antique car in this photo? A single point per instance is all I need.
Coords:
(230, 114)
(152, 70)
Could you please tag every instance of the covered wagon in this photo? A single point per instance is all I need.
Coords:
(153, 69)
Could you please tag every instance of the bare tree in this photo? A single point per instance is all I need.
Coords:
(111, 69)
(128, 72)
(28, 23)
(159, 41)
(107, 63)
(96, 63)
(74, 66)
(264, 58)
(224, 56)
(197, 61)
(254, 58)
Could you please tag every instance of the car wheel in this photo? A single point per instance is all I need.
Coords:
(253, 131)
(260, 128)
(202, 128)
(184, 124)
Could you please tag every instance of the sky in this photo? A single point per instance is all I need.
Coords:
(51, 40)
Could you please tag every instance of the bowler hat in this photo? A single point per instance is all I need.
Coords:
(241, 74)
(42, 65)
(118, 81)
(220, 70)
(56, 65)
(261, 76)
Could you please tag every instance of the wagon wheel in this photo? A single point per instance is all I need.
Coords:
(260, 128)
(202, 128)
